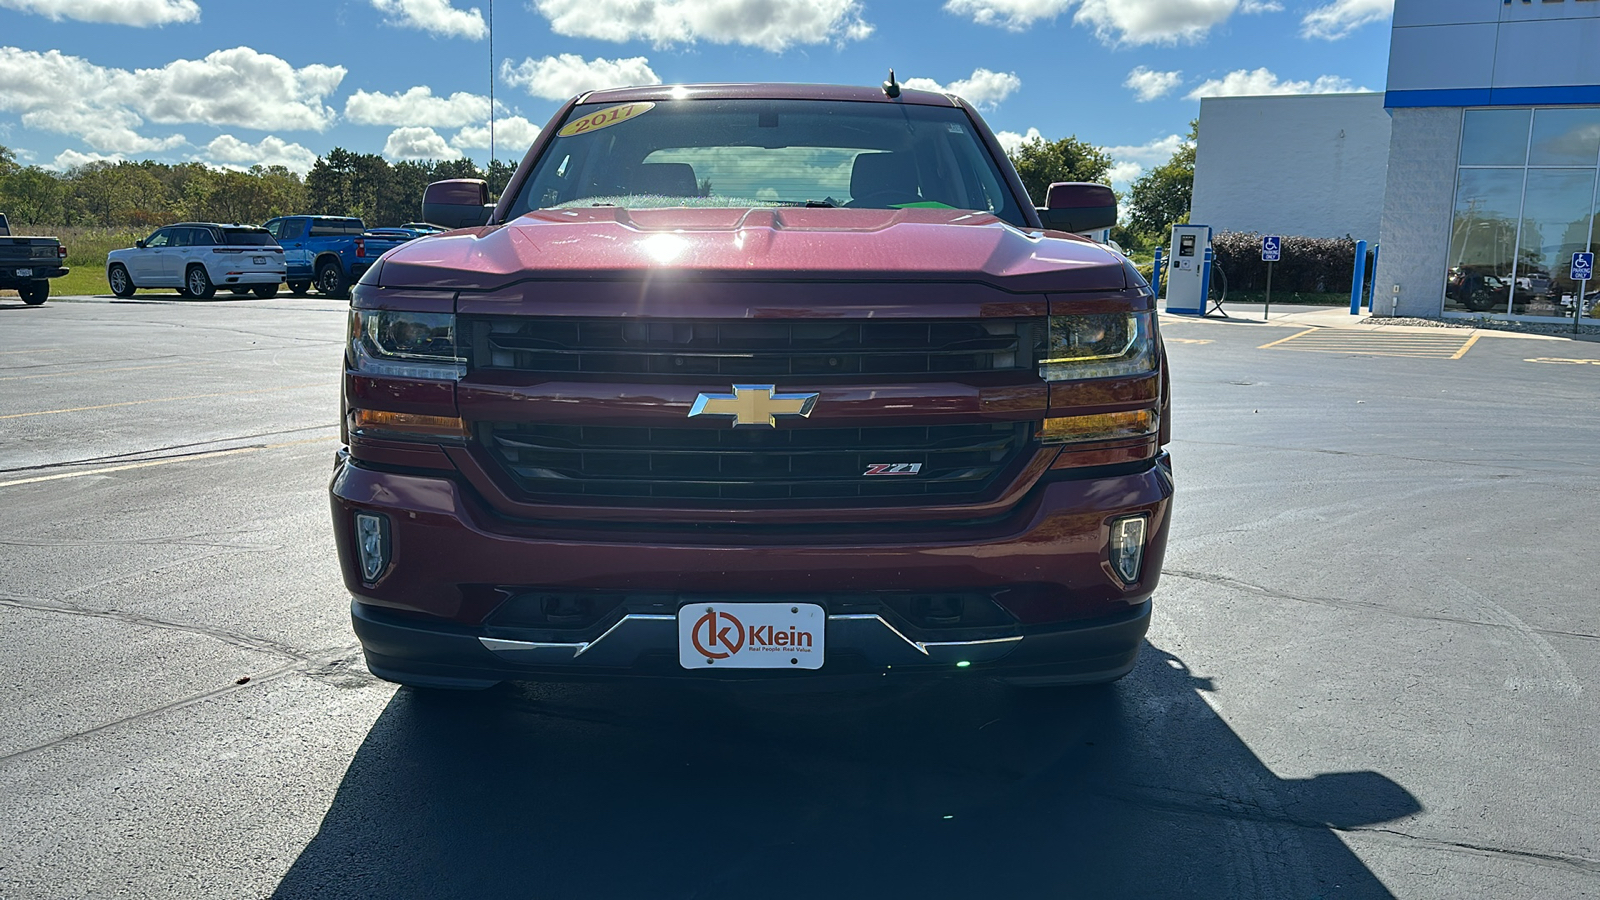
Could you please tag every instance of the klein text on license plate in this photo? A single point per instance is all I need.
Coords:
(751, 635)
(24, 273)
(258, 260)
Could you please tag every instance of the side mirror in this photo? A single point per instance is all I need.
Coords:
(457, 203)
(139, 243)
(1079, 206)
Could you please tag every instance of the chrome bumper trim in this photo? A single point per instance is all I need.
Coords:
(868, 633)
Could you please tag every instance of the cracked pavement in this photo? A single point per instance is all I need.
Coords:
(1372, 671)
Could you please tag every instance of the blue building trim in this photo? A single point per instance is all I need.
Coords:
(1566, 95)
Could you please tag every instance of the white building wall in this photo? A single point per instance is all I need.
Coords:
(1305, 165)
(1415, 233)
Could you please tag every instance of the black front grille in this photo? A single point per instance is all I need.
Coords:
(623, 463)
(746, 348)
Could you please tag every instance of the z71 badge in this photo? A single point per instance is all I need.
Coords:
(893, 469)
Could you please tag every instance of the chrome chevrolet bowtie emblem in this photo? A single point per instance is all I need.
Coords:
(754, 405)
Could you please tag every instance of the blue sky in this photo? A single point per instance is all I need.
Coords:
(232, 82)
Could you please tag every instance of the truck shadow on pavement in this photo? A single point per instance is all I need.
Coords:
(964, 789)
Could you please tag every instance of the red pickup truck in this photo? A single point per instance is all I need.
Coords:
(754, 382)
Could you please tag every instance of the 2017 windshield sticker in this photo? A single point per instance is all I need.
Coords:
(605, 118)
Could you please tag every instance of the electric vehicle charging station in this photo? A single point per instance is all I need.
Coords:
(1189, 270)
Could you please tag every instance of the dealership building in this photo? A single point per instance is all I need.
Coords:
(1489, 184)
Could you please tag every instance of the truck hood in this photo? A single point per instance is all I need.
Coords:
(726, 244)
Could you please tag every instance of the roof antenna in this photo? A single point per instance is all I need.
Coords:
(891, 88)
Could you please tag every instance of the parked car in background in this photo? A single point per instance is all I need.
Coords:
(330, 252)
(28, 263)
(423, 228)
(197, 258)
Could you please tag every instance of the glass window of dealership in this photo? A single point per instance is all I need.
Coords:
(1526, 200)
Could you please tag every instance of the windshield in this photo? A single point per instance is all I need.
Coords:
(744, 153)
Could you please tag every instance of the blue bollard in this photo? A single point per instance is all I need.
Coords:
(1360, 279)
(1155, 275)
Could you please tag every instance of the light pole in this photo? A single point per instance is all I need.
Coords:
(491, 90)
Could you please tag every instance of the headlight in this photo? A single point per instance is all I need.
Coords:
(405, 344)
(1104, 345)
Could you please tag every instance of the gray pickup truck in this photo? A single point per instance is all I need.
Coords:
(28, 263)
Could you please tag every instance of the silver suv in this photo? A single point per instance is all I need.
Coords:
(197, 258)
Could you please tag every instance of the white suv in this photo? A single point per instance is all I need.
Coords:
(197, 258)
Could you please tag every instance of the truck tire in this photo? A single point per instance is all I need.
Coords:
(331, 281)
(266, 291)
(299, 288)
(121, 284)
(35, 293)
(199, 283)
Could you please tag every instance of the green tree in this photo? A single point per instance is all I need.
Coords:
(8, 161)
(1042, 163)
(1161, 198)
(32, 196)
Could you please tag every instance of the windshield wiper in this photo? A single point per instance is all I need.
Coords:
(820, 204)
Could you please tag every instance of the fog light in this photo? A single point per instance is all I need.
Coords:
(1127, 547)
(372, 544)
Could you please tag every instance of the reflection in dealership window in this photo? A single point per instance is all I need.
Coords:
(1483, 240)
(1525, 202)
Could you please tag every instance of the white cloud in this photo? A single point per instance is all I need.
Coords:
(1149, 84)
(112, 12)
(1113, 21)
(1339, 18)
(1130, 161)
(768, 24)
(1010, 140)
(69, 159)
(513, 133)
(417, 106)
(418, 143)
(107, 107)
(228, 152)
(1254, 7)
(982, 88)
(238, 87)
(436, 17)
(1247, 83)
(567, 75)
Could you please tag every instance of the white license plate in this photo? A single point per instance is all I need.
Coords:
(751, 635)
(24, 273)
(259, 260)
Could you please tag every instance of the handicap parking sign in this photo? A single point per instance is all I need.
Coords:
(1271, 248)
(1582, 266)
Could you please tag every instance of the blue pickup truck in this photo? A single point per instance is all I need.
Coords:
(330, 252)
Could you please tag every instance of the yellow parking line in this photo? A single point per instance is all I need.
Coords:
(92, 371)
(160, 462)
(1467, 346)
(1289, 338)
(51, 412)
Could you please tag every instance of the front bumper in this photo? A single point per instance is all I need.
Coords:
(430, 618)
(860, 648)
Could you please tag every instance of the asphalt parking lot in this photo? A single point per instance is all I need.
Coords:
(1372, 672)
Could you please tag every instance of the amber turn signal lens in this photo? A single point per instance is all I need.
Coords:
(1101, 427)
(407, 424)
